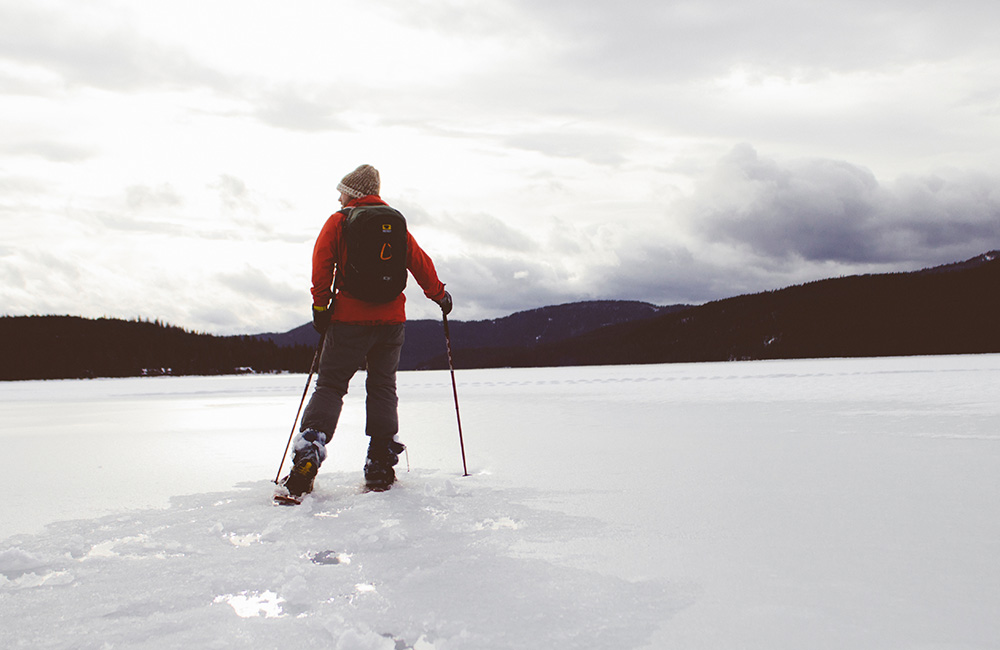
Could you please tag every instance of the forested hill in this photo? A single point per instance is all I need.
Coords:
(58, 347)
(63, 347)
(952, 309)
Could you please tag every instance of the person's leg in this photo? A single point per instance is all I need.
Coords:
(343, 354)
(381, 402)
(382, 405)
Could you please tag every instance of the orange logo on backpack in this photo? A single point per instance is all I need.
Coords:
(386, 253)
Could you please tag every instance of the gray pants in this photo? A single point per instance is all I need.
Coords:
(347, 348)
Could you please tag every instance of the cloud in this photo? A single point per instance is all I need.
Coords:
(656, 41)
(822, 210)
(11, 186)
(108, 223)
(297, 110)
(37, 281)
(838, 77)
(249, 215)
(597, 148)
(553, 140)
(254, 285)
(751, 223)
(101, 51)
(59, 152)
(234, 193)
(249, 300)
(483, 230)
(140, 197)
(662, 272)
(486, 283)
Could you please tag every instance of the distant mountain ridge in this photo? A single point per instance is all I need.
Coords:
(526, 329)
(948, 309)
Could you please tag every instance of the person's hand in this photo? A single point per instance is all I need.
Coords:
(445, 303)
(321, 318)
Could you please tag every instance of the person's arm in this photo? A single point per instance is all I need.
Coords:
(324, 260)
(422, 267)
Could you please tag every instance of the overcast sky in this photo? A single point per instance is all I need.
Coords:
(176, 160)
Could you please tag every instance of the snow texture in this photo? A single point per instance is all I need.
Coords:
(784, 504)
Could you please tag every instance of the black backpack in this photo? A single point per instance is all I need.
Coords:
(375, 267)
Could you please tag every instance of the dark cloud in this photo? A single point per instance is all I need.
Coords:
(661, 272)
(753, 224)
(832, 211)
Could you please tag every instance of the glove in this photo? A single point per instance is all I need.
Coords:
(321, 318)
(445, 303)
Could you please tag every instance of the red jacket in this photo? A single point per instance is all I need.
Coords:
(328, 256)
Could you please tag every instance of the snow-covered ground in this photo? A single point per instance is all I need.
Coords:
(785, 504)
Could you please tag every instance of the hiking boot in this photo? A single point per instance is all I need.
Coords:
(309, 454)
(300, 479)
(382, 457)
(379, 476)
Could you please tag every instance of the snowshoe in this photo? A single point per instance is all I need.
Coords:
(287, 500)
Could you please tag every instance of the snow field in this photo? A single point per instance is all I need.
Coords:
(431, 564)
(788, 504)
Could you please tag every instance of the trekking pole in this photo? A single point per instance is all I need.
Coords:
(312, 369)
(454, 389)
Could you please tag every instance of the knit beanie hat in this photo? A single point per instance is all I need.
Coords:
(361, 182)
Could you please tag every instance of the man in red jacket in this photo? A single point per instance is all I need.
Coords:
(357, 332)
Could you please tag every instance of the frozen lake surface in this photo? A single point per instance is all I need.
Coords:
(843, 503)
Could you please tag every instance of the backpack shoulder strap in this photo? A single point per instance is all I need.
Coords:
(338, 277)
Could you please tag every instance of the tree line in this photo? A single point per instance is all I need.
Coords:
(71, 347)
(952, 309)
